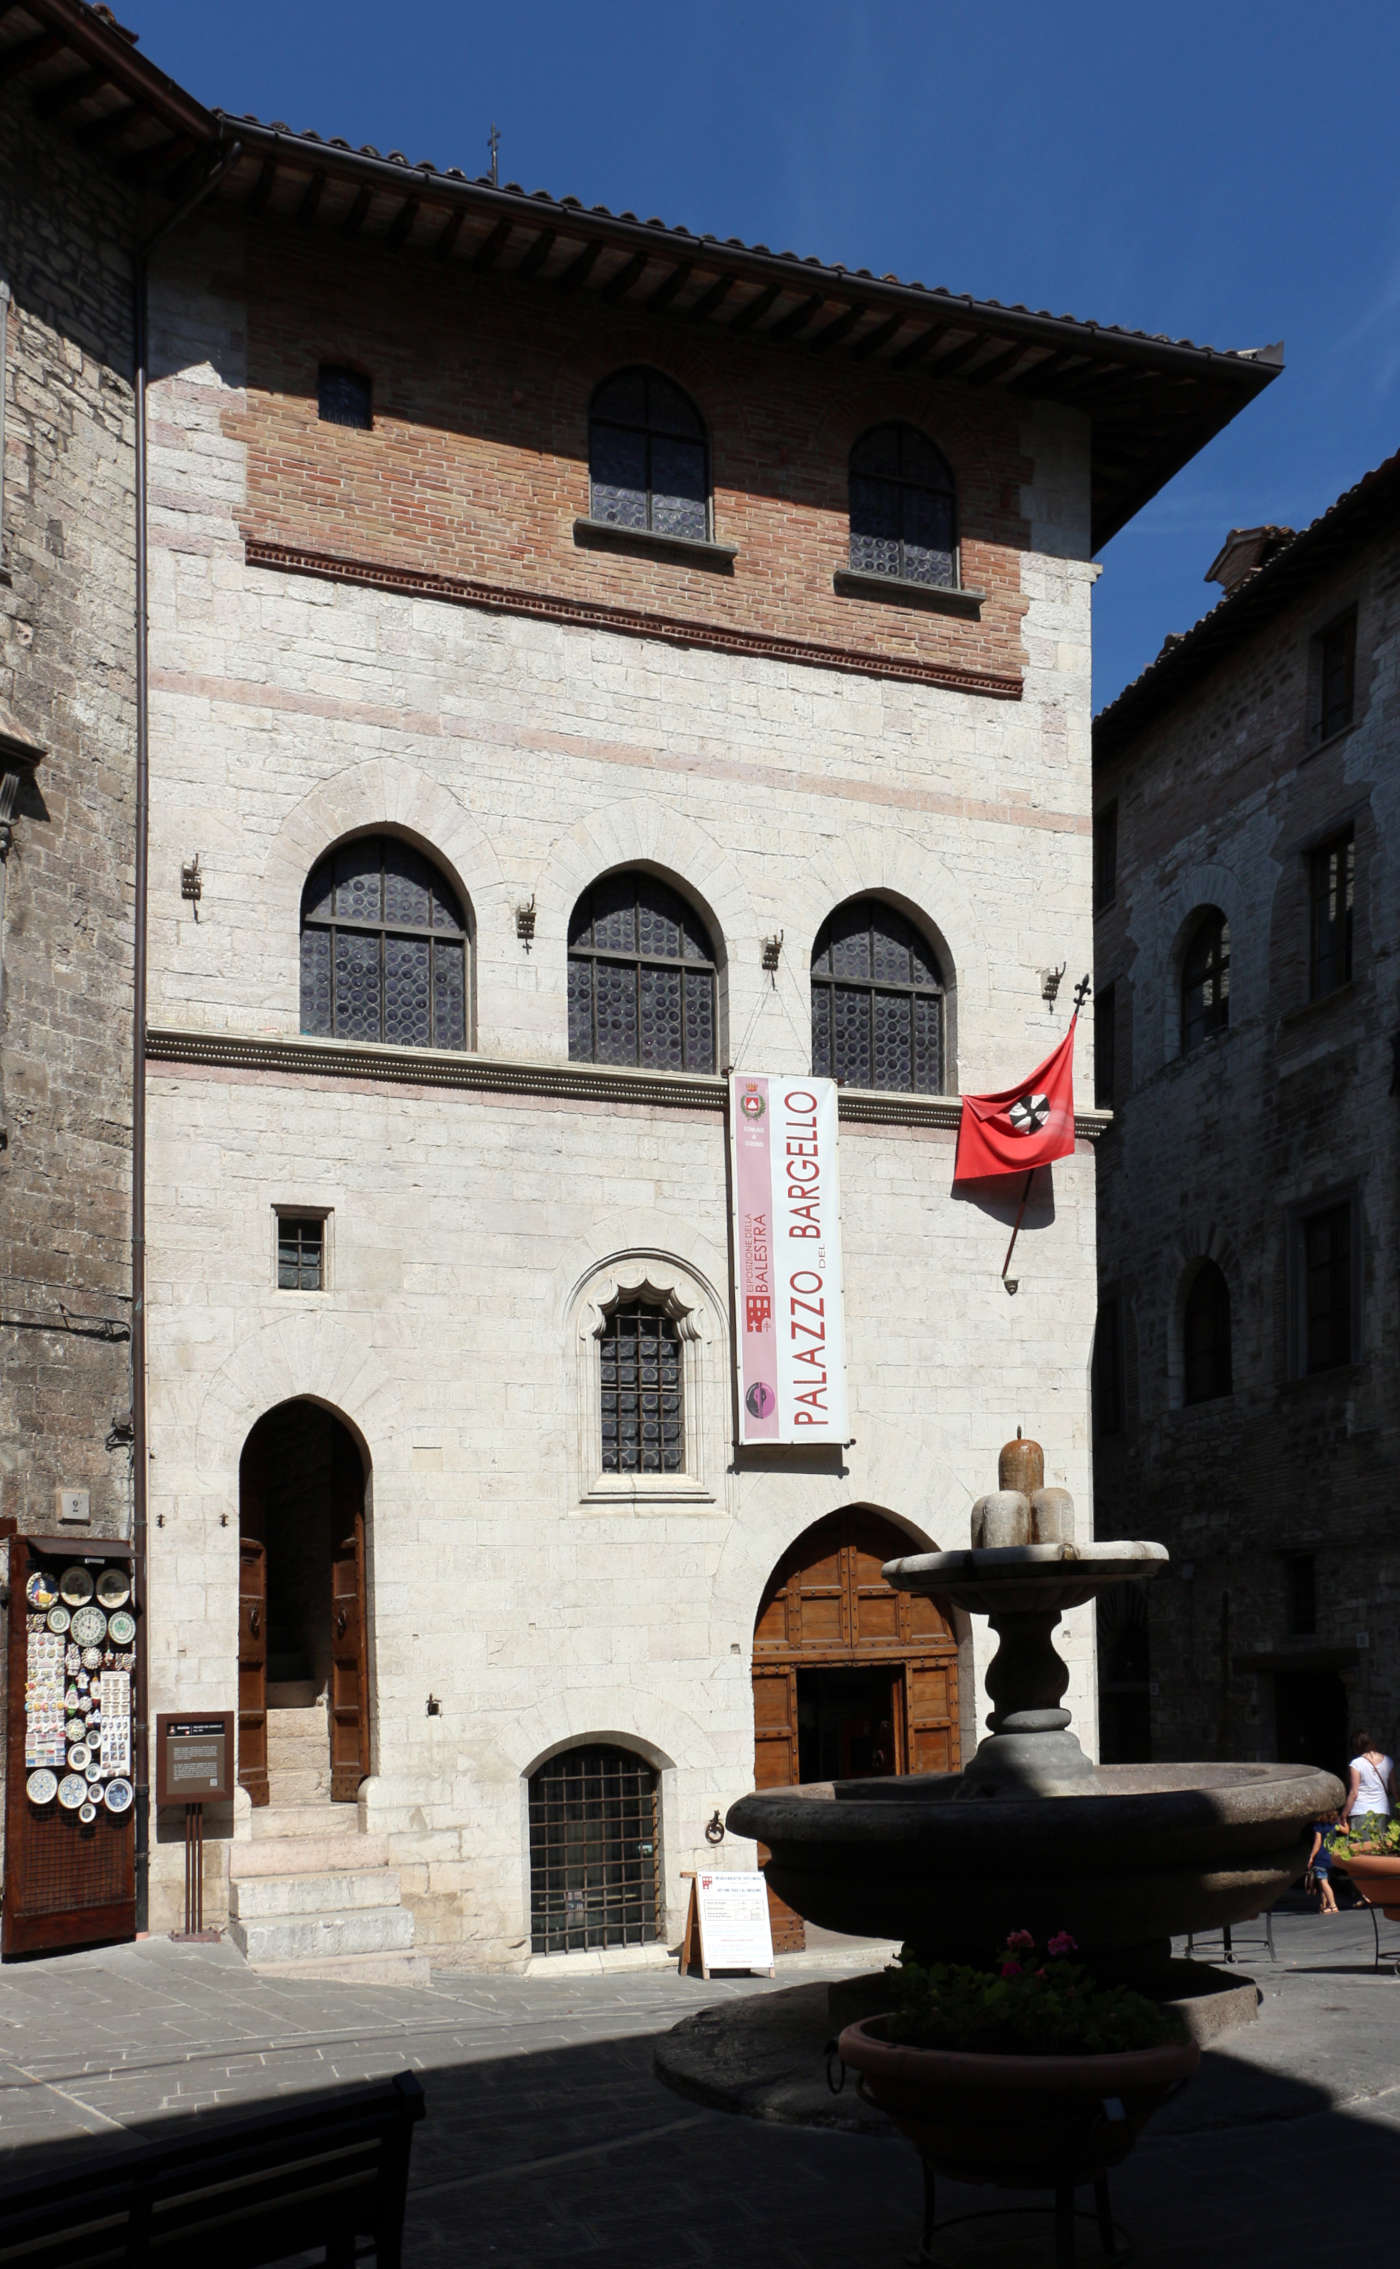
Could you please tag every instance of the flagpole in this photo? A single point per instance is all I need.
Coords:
(1081, 990)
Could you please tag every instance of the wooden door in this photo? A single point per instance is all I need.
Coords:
(349, 1651)
(252, 1667)
(775, 1766)
(931, 1713)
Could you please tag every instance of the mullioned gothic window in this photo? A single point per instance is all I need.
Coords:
(877, 1001)
(904, 518)
(383, 948)
(641, 977)
(647, 457)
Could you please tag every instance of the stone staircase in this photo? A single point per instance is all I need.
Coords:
(310, 1896)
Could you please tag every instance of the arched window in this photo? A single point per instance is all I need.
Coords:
(595, 1851)
(1205, 980)
(647, 459)
(642, 1406)
(903, 507)
(877, 1001)
(383, 948)
(641, 977)
(1206, 1336)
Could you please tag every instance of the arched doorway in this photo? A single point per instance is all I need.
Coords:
(595, 1850)
(302, 1650)
(850, 1678)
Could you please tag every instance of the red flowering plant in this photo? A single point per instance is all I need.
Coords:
(1024, 2003)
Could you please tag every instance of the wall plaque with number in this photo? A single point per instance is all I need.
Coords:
(194, 1757)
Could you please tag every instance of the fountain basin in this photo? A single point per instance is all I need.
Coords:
(1145, 1853)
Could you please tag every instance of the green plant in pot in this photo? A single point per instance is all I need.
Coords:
(1029, 2072)
(1369, 1850)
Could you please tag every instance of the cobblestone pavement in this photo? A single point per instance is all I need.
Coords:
(548, 2139)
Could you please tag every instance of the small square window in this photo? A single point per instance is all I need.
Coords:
(1333, 677)
(344, 396)
(301, 1252)
(1331, 905)
(1326, 1311)
(1105, 857)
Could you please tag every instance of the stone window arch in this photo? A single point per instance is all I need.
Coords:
(648, 1384)
(877, 1001)
(1205, 979)
(648, 456)
(384, 947)
(1206, 1351)
(643, 976)
(904, 514)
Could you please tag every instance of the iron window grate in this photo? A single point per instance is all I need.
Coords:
(642, 1405)
(595, 1852)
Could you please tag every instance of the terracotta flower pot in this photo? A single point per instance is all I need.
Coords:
(1027, 2122)
(1377, 1877)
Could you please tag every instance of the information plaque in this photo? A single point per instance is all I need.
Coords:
(727, 1927)
(194, 1757)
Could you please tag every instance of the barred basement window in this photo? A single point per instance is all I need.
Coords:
(643, 1408)
(301, 1252)
(1205, 980)
(647, 457)
(383, 948)
(595, 1851)
(344, 396)
(877, 1001)
(903, 507)
(641, 977)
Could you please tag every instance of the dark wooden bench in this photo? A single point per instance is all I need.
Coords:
(326, 2173)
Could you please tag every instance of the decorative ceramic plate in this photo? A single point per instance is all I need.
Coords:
(40, 1590)
(89, 1626)
(92, 1656)
(87, 1813)
(75, 1729)
(72, 1791)
(79, 1757)
(94, 1771)
(41, 1788)
(113, 1588)
(59, 1619)
(75, 1587)
(121, 1629)
(118, 1795)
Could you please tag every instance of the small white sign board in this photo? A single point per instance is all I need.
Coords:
(728, 1927)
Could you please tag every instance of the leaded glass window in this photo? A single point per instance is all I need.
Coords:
(648, 460)
(642, 1403)
(641, 977)
(903, 507)
(383, 948)
(877, 1001)
(1205, 981)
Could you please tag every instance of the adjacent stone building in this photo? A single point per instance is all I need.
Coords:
(1246, 910)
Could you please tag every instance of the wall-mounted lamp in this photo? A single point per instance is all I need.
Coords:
(192, 883)
(525, 923)
(773, 952)
(1050, 984)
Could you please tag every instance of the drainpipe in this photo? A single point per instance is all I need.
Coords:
(139, 1451)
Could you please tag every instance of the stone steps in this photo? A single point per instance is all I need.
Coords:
(317, 1853)
(252, 1898)
(301, 1820)
(269, 1940)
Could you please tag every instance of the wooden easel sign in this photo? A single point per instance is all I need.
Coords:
(727, 1926)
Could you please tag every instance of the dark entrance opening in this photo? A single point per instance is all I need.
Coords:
(845, 1723)
(302, 1639)
(1310, 1720)
(595, 1851)
(1125, 1670)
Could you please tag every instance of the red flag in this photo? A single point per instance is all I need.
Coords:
(1024, 1126)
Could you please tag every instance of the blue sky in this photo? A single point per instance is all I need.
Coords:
(1219, 172)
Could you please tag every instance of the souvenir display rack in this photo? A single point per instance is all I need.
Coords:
(70, 1846)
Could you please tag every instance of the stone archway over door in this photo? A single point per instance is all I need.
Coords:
(850, 1678)
(302, 1627)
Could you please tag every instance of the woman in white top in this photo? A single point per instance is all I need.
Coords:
(1372, 1783)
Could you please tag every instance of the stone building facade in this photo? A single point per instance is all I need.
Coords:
(1245, 796)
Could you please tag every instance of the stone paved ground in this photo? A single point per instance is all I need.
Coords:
(548, 2140)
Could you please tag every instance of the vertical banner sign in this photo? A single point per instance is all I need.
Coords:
(789, 1326)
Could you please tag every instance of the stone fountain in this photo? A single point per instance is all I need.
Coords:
(1032, 1835)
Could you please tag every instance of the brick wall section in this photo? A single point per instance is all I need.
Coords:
(67, 647)
(1217, 805)
(478, 462)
